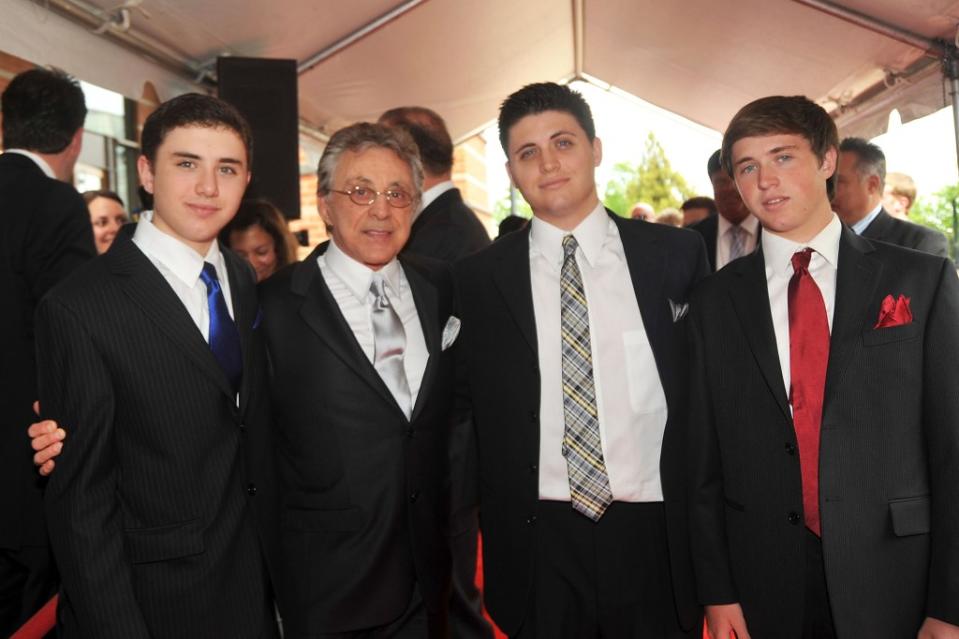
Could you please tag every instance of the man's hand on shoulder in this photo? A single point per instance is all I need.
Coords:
(936, 629)
(724, 620)
(47, 440)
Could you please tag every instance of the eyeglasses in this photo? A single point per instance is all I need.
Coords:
(365, 196)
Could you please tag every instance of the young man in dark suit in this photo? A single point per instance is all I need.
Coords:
(147, 356)
(361, 378)
(860, 182)
(824, 422)
(44, 235)
(574, 349)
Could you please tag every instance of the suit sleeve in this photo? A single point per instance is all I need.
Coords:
(941, 423)
(714, 579)
(463, 453)
(81, 501)
(935, 243)
(59, 240)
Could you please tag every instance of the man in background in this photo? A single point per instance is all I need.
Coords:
(44, 235)
(858, 201)
(696, 209)
(899, 195)
(734, 232)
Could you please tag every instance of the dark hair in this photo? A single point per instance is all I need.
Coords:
(700, 202)
(870, 160)
(714, 165)
(193, 109)
(42, 111)
(540, 97)
(511, 224)
(262, 213)
(429, 131)
(89, 196)
(778, 114)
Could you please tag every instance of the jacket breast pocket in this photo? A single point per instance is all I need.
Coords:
(163, 543)
(910, 516)
(878, 336)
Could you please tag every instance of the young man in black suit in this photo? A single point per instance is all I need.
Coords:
(860, 183)
(361, 378)
(45, 234)
(147, 356)
(574, 349)
(824, 425)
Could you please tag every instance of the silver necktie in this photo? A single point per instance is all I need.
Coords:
(737, 242)
(389, 344)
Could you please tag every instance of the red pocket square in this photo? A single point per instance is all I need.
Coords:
(894, 312)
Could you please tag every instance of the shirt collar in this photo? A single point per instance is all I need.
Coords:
(358, 277)
(430, 194)
(184, 262)
(864, 223)
(778, 251)
(750, 225)
(590, 235)
(39, 161)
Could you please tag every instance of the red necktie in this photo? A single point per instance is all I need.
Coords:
(808, 357)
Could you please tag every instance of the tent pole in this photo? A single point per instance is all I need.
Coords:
(950, 69)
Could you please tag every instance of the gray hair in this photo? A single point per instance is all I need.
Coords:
(870, 160)
(362, 136)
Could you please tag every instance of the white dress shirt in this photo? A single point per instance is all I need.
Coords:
(864, 223)
(180, 266)
(39, 161)
(349, 281)
(777, 253)
(629, 395)
(724, 239)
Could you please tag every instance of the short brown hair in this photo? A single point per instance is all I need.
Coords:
(903, 186)
(261, 212)
(779, 114)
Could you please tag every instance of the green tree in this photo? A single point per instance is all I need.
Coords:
(936, 212)
(653, 180)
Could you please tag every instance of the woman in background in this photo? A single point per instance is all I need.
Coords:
(258, 233)
(107, 215)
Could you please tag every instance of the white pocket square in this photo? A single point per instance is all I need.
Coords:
(450, 331)
(679, 310)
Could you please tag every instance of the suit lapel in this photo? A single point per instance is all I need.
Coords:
(511, 276)
(322, 315)
(856, 279)
(751, 301)
(646, 261)
(148, 289)
(241, 290)
(427, 308)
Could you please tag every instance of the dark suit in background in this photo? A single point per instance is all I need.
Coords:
(889, 450)
(887, 228)
(502, 382)
(150, 509)
(364, 491)
(708, 228)
(447, 229)
(45, 234)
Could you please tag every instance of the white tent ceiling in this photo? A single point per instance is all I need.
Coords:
(702, 59)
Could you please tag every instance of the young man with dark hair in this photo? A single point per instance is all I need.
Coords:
(861, 179)
(45, 234)
(734, 232)
(697, 209)
(823, 442)
(573, 363)
(147, 357)
(444, 228)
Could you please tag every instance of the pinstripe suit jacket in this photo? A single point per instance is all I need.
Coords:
(889, 449)
(149, 510)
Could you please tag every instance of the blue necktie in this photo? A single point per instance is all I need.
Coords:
(224, 338)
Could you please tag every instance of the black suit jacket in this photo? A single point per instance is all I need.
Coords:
(45, 234)
(447, 229)
(500, 368)
(889, 451)
(148, 510)
(887, 228)
(364, 490)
